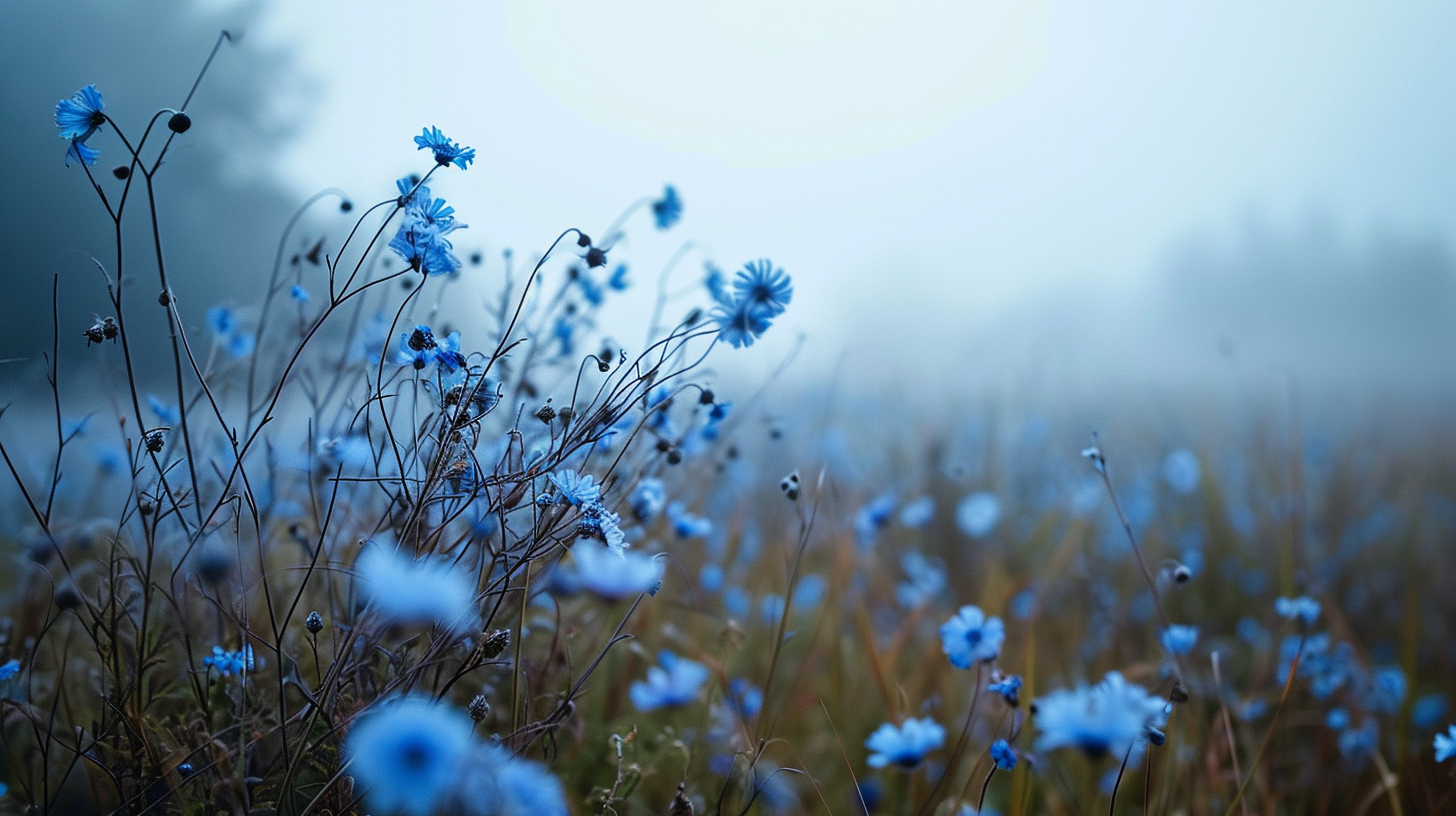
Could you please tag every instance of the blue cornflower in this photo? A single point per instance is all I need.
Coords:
(969, 637)
(575, 489)
(407, 754)
(1304, 608)
(493, 782)
(298, 293)
(1003, 755)
(221, 320)
(1445, 744)
(740, 323)
(1179, 639)
(710, 577)
(906, 745)
(421, 240)
(716, 284)
(1106, 718)
(78, 118)
(613, 575)
(446, 151)
(1387, 690)
(598, 522)
(591, 291)
(230, 663)
(1357, 743)
(762, 286)
(564, 331)
(668, 209)
(647, 499)
(978, 514)
(1009, 689)
(9, 670)
(676, 681)
(1338, 719)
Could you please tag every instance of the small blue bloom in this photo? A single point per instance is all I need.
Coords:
(925, 580)
(1445, 744)
(1358, 743)
(230, 663)
(221, 320)
(647, 499)
(298, 293)
(1179, 639)
(1106, 718)
(668, 209)
(1181, 471)
(710, 577)
(872, 517)
(618, 281)
(918, 513)
(1428, 710)
(1338, 719)
(407, 754)
(9, 670)
(1304, 608)
(445, 150)
(167, 414)
(598, 522)
(978, 514)
(1009, 689)
(611, 575)
(687, 525)
(763, 287)
(969, 637)
(78, 118)
(676, 681)
(746, 698)
(716, 285)
(906, 745)
(1387, 690)
(1003, 755)
(575, 489)
(740, 323)
(591, 291)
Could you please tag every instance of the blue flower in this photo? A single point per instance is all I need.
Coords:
(687, 525)
(446, 151)
(1445, 744)
(1003, 755)
(1179, 639)
(591, 291)
(1338, 719)
(417, 347)
(746, 698)
(668, 209)
(496, 783)
(677, 681)
(716, 285)
(9, 670)
(574, 489)
(763, 287)
(969, 637)
(618, 281)
(740, 323)
(230, 663)
(647, 499)
(421, 240)
(613, 575)
(1387, 690)
(906, 745)
(78, 118)
(298, 293)
(1428, 710)
(978, 514)
(1304, 608)
(926, 580)
(1358, 743)
(165, 413)
(873, 516)
(407, 755)
(918, 513)
(408, 592)
(1106, 718)
(1009, 689)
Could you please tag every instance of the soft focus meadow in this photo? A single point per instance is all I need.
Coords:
(335, 554)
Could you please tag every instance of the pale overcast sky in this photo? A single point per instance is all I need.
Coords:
(924, 170)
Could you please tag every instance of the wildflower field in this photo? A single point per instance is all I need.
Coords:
(334, 555)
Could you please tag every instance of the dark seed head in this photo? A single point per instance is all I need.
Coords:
(495, 643)
(479, 707)
(121, 171)
(67, 596)
(706, 398)
(595, 257)
(346, 205)
(583, 240)
(314, 623)
(179, 123)
(674, 456)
